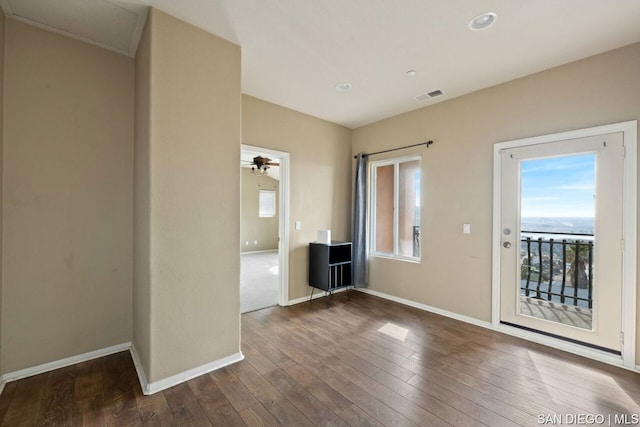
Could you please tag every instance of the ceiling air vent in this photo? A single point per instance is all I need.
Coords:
(429, 95)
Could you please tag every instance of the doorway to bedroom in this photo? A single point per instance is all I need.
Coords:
(263, 213)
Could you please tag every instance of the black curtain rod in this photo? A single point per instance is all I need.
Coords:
(427, 143)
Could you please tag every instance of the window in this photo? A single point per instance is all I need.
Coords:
(395, 208)
(267, 204)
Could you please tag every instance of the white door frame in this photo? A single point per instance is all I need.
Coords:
(629, 286)
(283, 218)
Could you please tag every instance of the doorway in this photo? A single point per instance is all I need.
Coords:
(263, 228)
(564, 239)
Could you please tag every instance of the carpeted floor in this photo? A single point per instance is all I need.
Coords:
(259, 280)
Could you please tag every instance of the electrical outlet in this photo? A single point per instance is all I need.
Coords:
(466, 228)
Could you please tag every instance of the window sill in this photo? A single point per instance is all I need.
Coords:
(397, 258)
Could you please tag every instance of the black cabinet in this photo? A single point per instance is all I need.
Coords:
(330, 265)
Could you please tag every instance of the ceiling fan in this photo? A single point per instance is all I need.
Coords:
(260, 165)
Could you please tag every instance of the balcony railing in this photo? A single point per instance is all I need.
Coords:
(557, 269)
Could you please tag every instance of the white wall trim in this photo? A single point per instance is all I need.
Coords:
(154, 387)
(283, 206)
(57, 364)
(147, 388)
(142, 377)
(559, 344)
(259, 252)
(629, 289)
(428, 308)
(629, 286)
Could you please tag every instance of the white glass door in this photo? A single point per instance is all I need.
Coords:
(561, 235)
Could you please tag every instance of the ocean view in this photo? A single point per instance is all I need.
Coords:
(581, 225)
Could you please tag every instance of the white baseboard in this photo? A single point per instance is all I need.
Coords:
(428, 308)
(258, 252)
(142, 377)
(151, 388)
(316, 294)
(600, 356)
(57, 364)
(147, 388)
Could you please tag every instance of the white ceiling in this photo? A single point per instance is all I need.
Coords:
(294, 52)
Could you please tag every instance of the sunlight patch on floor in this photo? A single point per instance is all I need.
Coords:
(394, 331)
(614, 391)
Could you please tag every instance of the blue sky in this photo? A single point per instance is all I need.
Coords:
(558, 187)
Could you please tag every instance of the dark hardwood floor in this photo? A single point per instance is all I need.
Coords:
(363, 362)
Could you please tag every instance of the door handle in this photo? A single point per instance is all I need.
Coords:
(507, 244)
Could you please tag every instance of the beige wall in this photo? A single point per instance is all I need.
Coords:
(190, 147)
(141, 207)
(455, 273)
(67, 198)
(320, 176)
(252, 227)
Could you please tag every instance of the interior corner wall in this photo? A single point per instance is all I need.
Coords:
(320, 176)
(141, 339)
(455, 272)
(194, 197)
(2, 32)
(67, 197)
(257, 234)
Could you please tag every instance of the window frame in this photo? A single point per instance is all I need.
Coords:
(396, 161)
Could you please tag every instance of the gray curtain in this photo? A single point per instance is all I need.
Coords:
(359, 224)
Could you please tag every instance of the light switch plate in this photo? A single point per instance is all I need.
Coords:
(466, 228)
(298, 225)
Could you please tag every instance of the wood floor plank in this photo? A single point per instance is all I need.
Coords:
(214, 402)
(258, 416)
(273, 401)
(388, 396)
(6, 397)
(185, 407)
(58, 399)
(154, 409)
(26, 402)
(307, 403)
(444, 385)
(234, 390)
(447, 406)
(88, 393)
(332, 362)
(119, 400)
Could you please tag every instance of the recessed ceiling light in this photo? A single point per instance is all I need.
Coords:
(483, 21)
(411, 73)
(343, 87)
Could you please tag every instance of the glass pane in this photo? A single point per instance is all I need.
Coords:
(557, 211)
(384, 209)
(409, 209)
(266, 203)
